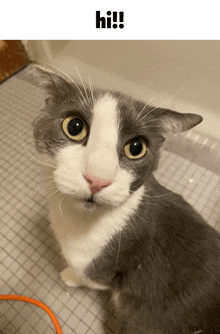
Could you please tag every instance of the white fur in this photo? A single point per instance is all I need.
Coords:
(82, 233)
(101, 158)
(70, 180)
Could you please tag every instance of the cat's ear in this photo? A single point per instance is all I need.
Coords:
(58, 88)
(173, 122)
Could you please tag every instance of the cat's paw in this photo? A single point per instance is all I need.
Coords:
(70, 278)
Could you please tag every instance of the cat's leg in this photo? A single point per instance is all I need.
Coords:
(93, 285)
(71, 278)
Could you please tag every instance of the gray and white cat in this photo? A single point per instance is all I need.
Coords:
(119, 229)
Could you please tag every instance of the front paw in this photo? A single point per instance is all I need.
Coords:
(70, 278)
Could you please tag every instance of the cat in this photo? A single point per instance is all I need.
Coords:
(117, 227)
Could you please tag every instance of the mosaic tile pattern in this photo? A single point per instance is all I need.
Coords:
(30, 260)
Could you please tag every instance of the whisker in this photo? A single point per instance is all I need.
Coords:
(53, 193)
(58, 140)
(54, 146)
(154, 126)
(50, 188)
(133, 229)
(82, 83)
(59, 70)
(152, 197)
(138, 115)
(119, 247)
(91, 90)
(164, 102)
(143, 201)
(44, 163)
(60, 204)
(52, 138)
(140, 217)
(50, 183)
(144, 220)
(152, 120)
(170, 192)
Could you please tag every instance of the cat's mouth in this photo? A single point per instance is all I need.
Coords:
(91, 199)
(90, 202)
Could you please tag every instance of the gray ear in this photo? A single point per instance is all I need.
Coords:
(56, 86)
(173, 122)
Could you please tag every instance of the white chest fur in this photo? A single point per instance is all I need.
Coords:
(83, 234)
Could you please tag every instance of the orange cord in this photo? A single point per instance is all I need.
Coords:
(37, 303)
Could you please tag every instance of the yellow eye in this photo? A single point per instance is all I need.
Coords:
(74, 128)
(135, 149)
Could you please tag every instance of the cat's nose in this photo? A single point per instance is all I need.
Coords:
(96, 183)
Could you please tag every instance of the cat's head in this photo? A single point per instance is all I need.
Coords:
(103, 145)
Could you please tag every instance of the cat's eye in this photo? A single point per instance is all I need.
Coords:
(135, 149)
(74, 128)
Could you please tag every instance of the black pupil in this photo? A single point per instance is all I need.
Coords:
(136, 147)
(75, 126)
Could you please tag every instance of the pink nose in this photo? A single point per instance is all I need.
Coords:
(95, 183)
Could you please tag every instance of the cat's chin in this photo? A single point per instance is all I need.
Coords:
(90, 206)
(92, 203)
(86, 204)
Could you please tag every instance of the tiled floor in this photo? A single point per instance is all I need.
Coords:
(30, 261)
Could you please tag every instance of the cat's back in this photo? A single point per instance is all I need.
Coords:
(177, 228)
(174, 269)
